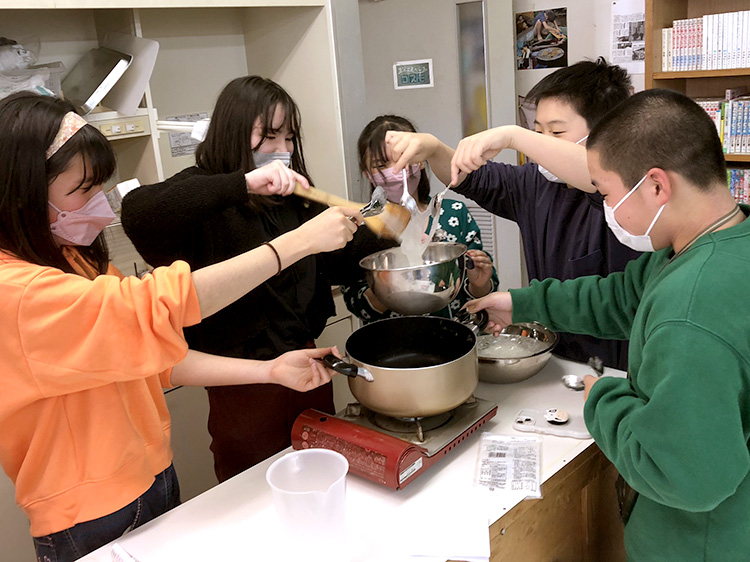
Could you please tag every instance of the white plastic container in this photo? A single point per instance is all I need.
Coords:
(34, 78)
(309, 492)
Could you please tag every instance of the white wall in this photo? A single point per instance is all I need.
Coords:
(397, 30)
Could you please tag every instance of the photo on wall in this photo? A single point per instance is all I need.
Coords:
(542, 39)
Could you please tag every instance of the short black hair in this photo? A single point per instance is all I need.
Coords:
(592, 88)
(660, 129)
(28, 125)
(551, 16)
(371, 148)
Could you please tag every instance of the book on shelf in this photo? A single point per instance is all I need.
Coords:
(710, 42)
(738, 181)
(731, 116)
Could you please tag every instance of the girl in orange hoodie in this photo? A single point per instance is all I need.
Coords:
(86, 352)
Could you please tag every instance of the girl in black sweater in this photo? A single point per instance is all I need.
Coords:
(206, 214)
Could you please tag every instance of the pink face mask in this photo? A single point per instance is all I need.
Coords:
(393, 183)
(82, 226)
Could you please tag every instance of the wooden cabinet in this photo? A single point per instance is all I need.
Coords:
(694, 83)
(575, 521)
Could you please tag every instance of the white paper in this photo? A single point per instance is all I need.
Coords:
(509, 464)
(184, 144)
(627, 37)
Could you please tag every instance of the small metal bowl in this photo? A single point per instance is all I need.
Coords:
(420, 289)
(503, 371)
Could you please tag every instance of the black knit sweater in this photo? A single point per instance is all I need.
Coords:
(203, 219)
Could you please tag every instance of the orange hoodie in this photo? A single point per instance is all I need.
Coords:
(84, 426)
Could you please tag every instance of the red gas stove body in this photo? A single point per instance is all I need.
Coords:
(389, 458)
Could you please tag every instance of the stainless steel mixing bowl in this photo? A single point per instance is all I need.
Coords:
(419, 289)
(498, 370)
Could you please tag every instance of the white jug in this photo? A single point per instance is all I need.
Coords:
(309, 492)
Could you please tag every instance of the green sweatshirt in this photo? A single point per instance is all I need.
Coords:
(677, 429)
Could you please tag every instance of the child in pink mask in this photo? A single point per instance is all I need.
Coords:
(86, 352)
(455, 221)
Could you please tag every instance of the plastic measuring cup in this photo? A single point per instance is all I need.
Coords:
(309, 492)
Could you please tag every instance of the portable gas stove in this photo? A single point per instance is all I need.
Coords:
(386, 450)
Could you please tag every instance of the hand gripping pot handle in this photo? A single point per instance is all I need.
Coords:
(468, 262)
(339, 365)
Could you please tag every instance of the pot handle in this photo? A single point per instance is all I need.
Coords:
(339, 365)
(468, 262)
(476, 321)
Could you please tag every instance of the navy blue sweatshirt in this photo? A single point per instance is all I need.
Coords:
(564, 236)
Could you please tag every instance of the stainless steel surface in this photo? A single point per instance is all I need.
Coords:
(419, 289)
(504, 371)
(573, 382)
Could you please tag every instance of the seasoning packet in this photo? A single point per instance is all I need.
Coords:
(510, 463)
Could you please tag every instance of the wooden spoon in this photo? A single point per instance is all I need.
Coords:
(389, 224)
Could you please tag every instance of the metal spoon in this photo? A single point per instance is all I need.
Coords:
(437, 201)
(406, 199)
(575, 382)
(376, 204)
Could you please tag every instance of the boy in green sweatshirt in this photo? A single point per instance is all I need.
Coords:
(677, 428)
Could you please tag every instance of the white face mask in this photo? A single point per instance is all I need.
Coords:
(263, 158)
(82, 226)
(640, 243)
(549, 175)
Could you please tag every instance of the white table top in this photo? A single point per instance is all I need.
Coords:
(238, 517)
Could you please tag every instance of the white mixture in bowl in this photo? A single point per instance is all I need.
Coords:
(507, 346)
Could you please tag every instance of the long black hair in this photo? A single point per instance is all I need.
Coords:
(28, 125)
(371, 149)
(227, 148)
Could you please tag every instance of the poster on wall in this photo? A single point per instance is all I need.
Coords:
(413, 74)
(628, 35)
(542, 39)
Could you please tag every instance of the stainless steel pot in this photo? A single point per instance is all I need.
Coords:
(501, 370)
(420, 289)
(421, 365)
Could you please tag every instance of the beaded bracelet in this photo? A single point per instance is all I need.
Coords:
(275, 253)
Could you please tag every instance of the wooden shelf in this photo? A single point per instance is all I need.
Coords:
(723, 73)
(737, 157)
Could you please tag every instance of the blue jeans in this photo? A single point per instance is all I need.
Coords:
(71, 544)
